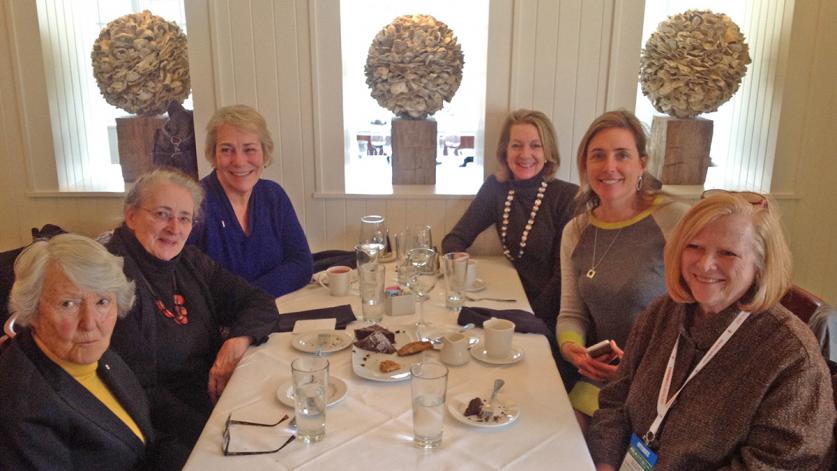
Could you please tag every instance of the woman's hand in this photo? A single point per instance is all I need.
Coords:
(225, 362)
(597, 369)
(605, 467)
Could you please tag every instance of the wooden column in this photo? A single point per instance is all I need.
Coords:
(679, 150)
(135, 135)
(413, 151)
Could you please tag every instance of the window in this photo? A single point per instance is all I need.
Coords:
(82, 123)
(745, 128)
(460, 123)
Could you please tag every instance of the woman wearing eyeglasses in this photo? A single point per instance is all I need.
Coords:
(192, 321)
(718, 375)
(611, 252)
(248, 224)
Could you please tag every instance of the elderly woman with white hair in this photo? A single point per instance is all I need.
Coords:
(193, 320)
(68, 401)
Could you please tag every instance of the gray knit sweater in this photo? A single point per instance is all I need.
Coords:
(764, 401)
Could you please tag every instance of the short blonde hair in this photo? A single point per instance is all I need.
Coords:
(549, 141)
(773, 257)
(244, 118)
(83, 261)
(618, 119)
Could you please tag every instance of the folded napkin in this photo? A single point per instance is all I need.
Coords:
(343, 314)
(524, 322)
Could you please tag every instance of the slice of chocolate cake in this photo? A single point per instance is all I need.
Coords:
(377, 342)
(474, 407)
(361, 334)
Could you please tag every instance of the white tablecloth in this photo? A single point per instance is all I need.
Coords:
(372, 427)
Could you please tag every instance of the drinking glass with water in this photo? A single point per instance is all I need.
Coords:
(428, 385)
(310, 377)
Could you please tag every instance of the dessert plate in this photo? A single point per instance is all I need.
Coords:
(308, 342)
(336, 392)
(506, 411)
(478, 351)
(479, 285)
(366, 364)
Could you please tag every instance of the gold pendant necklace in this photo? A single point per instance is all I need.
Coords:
(531, 222)
(591, 273)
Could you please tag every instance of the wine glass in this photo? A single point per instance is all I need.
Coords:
(421, 278)
(423, 237)
(372, 238)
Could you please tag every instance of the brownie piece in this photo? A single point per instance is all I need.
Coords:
(376, 342)
(361, 334)
(474, 407)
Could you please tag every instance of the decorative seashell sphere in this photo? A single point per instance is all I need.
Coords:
(414, 65)
(140, 63)
(693, 63)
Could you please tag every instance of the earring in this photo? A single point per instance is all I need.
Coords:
(639, 183)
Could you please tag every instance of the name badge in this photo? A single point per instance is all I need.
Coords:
(639, 457)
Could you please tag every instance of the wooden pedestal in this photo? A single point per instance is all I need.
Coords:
(413, 151)
(135, 135)
(679, 150)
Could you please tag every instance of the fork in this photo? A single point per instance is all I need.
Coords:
(322, 339)
(487, 408)
(499, 300)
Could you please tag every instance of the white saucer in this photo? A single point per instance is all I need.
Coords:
(514, 356)
(308, 342)
(336, 392)
(479, 285)
(507, 411)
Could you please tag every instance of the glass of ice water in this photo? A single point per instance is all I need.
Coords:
(310, 377)
(429, 384)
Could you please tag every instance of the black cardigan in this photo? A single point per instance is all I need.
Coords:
(172, 361)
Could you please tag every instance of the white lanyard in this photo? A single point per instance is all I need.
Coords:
(664, 405)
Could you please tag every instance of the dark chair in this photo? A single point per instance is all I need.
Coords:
(820, 316)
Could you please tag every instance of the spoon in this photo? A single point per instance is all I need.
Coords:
(487, 409)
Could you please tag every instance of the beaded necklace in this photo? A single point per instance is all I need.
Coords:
(505, 225)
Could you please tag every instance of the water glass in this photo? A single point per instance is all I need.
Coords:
(310, 377)
(371, 277)
(372, 240)
(429, 384)
(456, 267)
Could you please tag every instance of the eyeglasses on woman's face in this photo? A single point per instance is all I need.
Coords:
(165, 215)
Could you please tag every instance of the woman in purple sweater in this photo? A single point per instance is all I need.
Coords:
(248, 224)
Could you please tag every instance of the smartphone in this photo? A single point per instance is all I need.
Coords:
(599, 349)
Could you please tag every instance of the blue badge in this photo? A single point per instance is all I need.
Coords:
(639, 457)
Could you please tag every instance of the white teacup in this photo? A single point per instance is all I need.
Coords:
(455, 349)
(498, 337)
(337, 279)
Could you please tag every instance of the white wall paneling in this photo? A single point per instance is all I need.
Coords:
(572, 59)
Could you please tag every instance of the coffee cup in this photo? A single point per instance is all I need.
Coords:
(498, 337)
(337, 279)
(455, 349)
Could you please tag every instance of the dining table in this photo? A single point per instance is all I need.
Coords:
(371, 427)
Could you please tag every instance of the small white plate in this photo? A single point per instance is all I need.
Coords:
(479, 285)
(366, 364)
(336, 392)
(506, 411)
(478, 351)
(308, 342)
